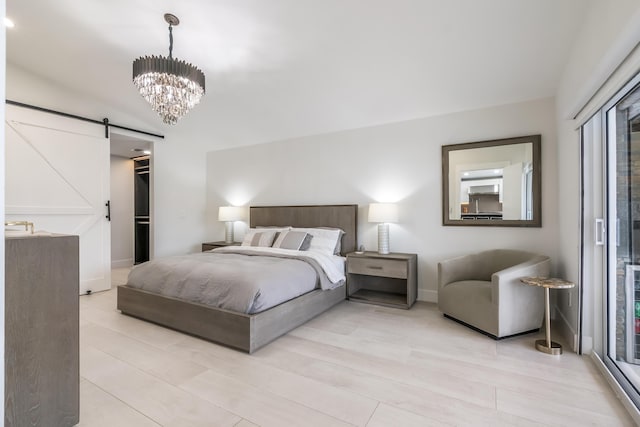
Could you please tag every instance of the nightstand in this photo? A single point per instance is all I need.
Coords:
(389, 280)
(207, 246)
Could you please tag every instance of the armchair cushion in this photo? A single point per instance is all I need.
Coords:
(484, 291)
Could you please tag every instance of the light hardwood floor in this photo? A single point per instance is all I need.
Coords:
(357, 365)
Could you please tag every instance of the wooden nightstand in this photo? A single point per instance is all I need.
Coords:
(207, 246)
(389, 280)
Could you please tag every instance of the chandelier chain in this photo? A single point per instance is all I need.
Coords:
(170, 41)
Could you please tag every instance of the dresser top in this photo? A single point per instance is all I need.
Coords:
(37, 234)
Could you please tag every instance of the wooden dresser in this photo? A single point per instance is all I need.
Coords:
(41, 331)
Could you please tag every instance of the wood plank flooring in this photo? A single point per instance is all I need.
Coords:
(356, 365)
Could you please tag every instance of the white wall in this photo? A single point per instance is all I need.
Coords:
(122, 212)
(609, 34)
(399, 162)
(179, 192)
(178, 161)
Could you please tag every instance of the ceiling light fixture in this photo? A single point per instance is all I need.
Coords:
(171, 86)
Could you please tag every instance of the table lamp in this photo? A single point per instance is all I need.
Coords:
(229, 214)
(383, 213)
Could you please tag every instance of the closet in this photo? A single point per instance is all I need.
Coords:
(131, 200)
(141, 201)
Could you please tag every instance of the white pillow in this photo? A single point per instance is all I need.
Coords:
(325, 240)
(262, 237)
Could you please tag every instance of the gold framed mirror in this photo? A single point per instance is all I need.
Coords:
(492, 183)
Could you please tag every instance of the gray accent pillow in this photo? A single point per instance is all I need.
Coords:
(306, 243)
(264, 239)
(296, 240)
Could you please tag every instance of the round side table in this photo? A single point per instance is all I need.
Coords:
(546, 345)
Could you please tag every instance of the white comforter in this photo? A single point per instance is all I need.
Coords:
(333, 266)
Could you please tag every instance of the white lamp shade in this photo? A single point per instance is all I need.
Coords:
(383, 212)
(230, 213)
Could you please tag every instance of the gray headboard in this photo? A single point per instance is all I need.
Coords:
(338, 216)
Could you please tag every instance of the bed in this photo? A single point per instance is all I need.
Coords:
(249, 332)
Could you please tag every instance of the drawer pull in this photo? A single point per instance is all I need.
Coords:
(375, 267)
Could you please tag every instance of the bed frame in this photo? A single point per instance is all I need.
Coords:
(249, 332)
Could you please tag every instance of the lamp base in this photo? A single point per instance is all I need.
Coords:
(228, 232)
(383, 239)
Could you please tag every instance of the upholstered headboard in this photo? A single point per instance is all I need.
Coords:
(344, 217)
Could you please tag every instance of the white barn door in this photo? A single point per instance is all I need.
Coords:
(57, 176)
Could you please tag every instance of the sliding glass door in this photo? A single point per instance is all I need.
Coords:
(622, 241)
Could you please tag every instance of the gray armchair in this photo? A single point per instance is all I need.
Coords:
(484, 291)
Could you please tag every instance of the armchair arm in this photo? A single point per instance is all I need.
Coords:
(535, 267)
(517, 302)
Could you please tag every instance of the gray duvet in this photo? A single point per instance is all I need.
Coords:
(239, 282)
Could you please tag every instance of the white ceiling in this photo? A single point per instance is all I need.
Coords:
(285, 68)
(127, 146)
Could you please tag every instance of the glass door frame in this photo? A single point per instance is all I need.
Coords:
(611, 240)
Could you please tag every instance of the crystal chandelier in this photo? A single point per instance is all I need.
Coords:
(171, 86)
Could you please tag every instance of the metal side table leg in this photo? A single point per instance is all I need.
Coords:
(546, 345)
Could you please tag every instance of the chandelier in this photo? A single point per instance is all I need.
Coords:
(171, 86)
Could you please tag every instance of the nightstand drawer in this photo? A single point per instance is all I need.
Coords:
(378, 267)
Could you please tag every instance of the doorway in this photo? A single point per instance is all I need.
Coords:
(131, 194)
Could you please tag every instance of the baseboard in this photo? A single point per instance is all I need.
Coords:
(122, 263)
(563, 327)
(617, 389)
(587, 344)
(427, 295)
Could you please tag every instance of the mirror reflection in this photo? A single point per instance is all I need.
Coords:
(492, 182)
